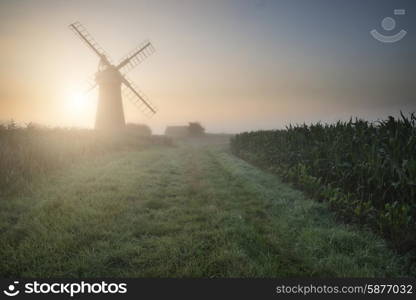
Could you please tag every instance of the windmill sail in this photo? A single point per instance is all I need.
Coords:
(136, 56)
(87, 38)
(90, 84)
(138, 98)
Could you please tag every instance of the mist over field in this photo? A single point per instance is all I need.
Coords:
(234, 65)
(207, 139)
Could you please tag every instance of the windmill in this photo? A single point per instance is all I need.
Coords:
(112, 83)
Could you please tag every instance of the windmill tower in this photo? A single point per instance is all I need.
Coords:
(112, 83)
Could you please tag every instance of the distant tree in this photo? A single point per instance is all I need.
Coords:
(12, 124)
(139, 129)
(195, 129)
(34, 126)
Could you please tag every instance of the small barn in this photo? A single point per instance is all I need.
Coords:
(177, 131)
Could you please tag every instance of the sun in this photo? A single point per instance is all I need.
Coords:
(79, 107)
(77, 102)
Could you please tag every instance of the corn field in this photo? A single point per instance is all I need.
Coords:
(365, 170)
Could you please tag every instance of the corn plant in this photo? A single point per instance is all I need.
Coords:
(366, 170)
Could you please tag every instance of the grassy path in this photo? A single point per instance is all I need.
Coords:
(187, 211)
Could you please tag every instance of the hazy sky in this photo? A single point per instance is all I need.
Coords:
(232, 65)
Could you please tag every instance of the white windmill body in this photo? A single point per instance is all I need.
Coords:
(110, 114)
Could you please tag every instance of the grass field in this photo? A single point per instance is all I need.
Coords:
(193, 210)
